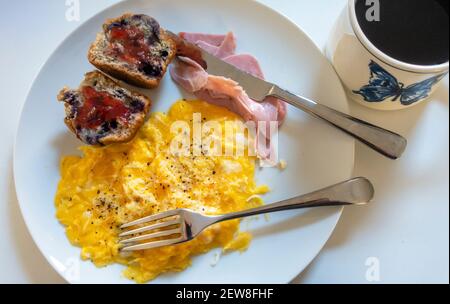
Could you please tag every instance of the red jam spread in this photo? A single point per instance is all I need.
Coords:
(99, 107)
(133, 47)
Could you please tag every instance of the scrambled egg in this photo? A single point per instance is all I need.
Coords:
(111, 185)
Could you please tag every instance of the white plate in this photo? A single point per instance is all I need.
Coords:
(317, 155)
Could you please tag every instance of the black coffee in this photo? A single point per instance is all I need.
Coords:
(412, 31)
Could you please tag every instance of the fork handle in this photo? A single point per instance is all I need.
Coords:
(356, 191)
(381, 140)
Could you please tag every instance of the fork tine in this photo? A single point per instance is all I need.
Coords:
(154, 244)
(151, 227)
(151, 236)
(150, 218)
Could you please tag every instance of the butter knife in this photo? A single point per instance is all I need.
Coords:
(386, 142)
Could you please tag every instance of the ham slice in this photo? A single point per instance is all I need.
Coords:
(219, 45)
(246, 62)
(223, 91)
(208, 38)
(220, 91)
(225, 49)
(189, 75)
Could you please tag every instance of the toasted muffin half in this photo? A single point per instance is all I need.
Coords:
(133, 48)
(101, 112)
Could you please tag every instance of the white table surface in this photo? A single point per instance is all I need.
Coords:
(406, 229)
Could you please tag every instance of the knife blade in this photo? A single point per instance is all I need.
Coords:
(386, 142)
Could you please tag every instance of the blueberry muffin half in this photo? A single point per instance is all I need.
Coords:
(133, 48)
(101, 112)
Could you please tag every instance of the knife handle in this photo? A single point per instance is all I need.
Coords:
(381, 140)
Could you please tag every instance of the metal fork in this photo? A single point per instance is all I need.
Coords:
(181, 225)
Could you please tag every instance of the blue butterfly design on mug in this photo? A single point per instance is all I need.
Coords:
(383, 85)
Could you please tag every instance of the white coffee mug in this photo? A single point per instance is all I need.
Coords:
(370, 76)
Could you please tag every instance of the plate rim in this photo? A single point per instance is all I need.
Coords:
(339, 210)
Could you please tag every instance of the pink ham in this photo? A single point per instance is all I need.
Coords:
(223, 91)
(225, 48)
(219, 90)
(208, 38)
(247, 63)
(189, 74)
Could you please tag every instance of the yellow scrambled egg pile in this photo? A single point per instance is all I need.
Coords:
(111, 185)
